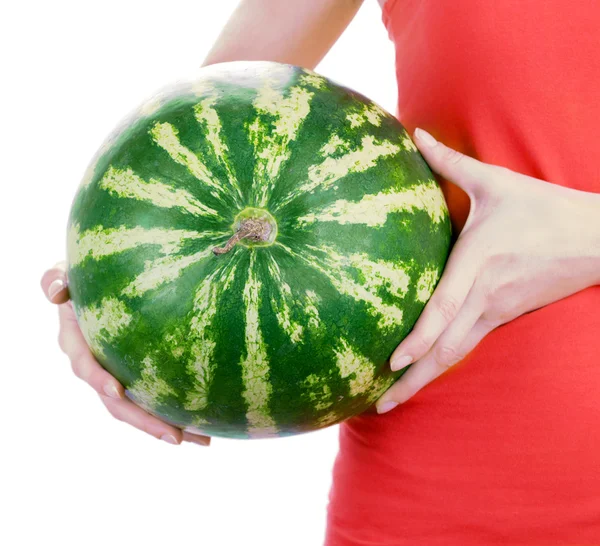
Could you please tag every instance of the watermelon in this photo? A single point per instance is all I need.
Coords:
(248, 247)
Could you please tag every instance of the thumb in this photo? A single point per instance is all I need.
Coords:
(54, 283)
(464, 171)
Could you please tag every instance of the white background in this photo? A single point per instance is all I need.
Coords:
(70, 473)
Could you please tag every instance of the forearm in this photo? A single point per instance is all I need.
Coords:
(297, 32)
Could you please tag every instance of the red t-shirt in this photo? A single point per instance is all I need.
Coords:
(503, 449)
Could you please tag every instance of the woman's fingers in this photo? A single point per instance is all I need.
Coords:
(442, 308)
(84, 365)
(126, 411)
(196, 439)
(87, 368)
(454, 344)
(54, 283)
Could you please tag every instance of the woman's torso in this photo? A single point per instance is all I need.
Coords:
(505, 447)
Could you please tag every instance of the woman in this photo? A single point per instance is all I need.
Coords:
(496, 437)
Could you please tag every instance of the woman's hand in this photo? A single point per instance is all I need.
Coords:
(86, 367)
(526, 243)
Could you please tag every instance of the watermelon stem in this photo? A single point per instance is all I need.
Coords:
(253, 229)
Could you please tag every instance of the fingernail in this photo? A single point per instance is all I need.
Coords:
(112, 391)
(425, 137)
(400, 362)
(169, 438)
(55, 288)
(386, 406)
(201, 441)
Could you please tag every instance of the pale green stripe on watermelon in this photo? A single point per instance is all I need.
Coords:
(378, 274)
(207, 117)
(358, 369)
(427, 283)
(334, 145)
(408, 144)
(359, 372)
(333, 268)
(328, 419)
(103, 323)
(125, 183)
(371, 113)
(390, 276)
(283, 305)
(325, 174)
(166, 136)
(312, 79)
(98, 242)
(149, 389)
(373, 210)
(271, 144)
(255, 364)
(174, 340)
(318, 391)
(201, 368)
(310, 308)
(380, 384)
(163, 270)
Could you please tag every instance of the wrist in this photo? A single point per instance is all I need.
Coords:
(586, 231)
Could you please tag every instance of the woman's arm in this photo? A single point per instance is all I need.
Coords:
(296, 32)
